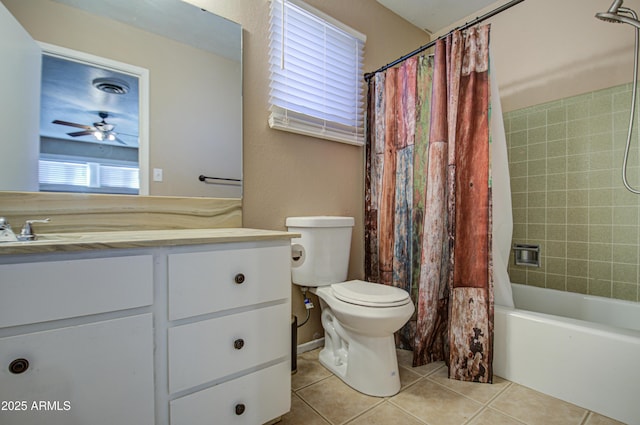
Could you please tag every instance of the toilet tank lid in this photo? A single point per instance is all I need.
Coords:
(320, 221)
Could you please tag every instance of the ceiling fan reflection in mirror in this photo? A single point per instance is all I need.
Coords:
(101, 130)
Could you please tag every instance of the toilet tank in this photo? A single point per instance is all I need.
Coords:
(320, 256)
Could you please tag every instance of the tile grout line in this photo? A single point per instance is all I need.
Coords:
(380, 402)
(487, 407)
(312, 383)
(429, 376)
(585, 418)
(407, 412)
(491, 399)
(314, 409)
(499, 393)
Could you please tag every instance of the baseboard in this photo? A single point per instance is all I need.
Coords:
(311, 345)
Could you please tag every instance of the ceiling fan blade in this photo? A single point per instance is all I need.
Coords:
(72, 124)
(80, 133)
(122, 142)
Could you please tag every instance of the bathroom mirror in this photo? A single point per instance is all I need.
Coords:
(193, 122)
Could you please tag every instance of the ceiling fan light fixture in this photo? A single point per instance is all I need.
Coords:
(99, 135)
(111, 85)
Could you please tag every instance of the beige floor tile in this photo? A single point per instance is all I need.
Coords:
(435, 404)
(596, 419)
(407, 377)
(493, 417)
(385, 414)
(336, 401)
(310, 355)
(301, 413)
(534, 408)
(405, 358)
(426, 395)
(482, 393)
(309, 371)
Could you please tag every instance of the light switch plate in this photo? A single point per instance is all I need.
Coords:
(157, 174)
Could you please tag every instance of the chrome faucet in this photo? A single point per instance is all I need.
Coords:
(6, 234)
(26, 234)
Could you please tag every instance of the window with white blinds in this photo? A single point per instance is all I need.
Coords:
(316, 78)
(78, 176)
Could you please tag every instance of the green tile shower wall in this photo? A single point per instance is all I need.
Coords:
(565, 160)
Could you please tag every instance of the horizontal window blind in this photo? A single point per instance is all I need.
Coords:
(89, 175)
(316, 79)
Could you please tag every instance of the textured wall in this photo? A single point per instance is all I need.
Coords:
(287, 174)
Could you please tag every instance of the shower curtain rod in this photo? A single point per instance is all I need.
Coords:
(479, 19)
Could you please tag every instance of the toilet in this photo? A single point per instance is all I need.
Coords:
(359, 318)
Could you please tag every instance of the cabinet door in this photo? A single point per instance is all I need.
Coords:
(249, 400)
(99, 373)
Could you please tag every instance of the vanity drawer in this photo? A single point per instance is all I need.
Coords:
(252, 399)
(206, 282)
(211, 349)
(51, 290)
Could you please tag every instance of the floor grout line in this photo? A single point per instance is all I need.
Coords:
(587, 414)
(379, 403)
(430, 377)
(478, 413)
(311, 383)
(314, 409)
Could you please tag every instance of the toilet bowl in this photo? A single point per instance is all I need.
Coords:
(359, 344)
(359, 318)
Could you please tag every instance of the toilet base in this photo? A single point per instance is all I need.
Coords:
(367, 364)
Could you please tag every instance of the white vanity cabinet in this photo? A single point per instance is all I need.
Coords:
(229, 340)
(76, 342)
(181, 327)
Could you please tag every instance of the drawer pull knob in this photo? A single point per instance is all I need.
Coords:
(239, 278)
(240, 408)
(238, 343)
(19, 366)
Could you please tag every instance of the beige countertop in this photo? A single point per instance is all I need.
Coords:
(69, 242)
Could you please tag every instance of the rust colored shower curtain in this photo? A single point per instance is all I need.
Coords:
(428, 200)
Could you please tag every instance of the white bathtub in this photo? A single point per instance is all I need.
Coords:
(578, 348)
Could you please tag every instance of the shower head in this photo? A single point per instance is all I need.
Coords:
(614, 14)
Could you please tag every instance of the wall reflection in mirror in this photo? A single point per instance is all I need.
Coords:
(181, 120)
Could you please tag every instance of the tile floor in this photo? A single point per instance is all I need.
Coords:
(428, 397)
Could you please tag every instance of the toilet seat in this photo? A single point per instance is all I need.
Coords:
(370, 294)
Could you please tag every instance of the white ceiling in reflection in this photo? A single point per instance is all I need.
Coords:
(68, 94)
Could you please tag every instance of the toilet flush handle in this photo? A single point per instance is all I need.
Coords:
(297, 255)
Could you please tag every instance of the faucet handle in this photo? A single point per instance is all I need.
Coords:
(6, 234)
(4, 224)
(26, 234)
(44, 220)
